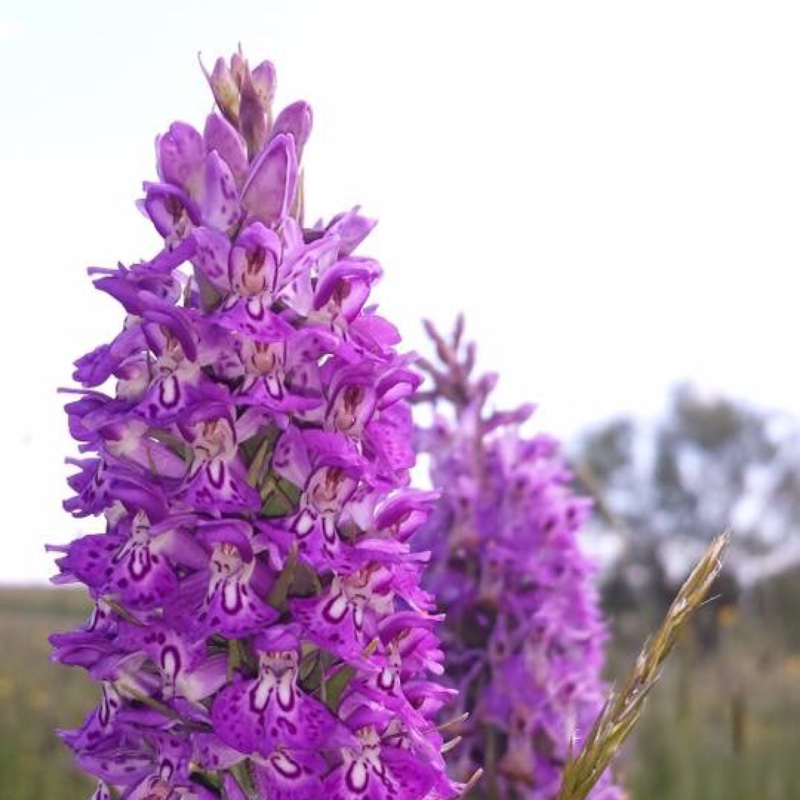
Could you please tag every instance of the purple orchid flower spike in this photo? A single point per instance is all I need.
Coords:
(524, 635)
(260, 629)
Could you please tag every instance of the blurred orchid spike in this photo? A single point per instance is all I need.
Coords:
(523, 637)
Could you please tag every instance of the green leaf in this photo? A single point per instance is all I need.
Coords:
(280, 590)
(120, 611)
(243, 773)
(260, 452)
(234, 657)
(335, 685)
(207, 780)
(209, 295)
(312, 670)
(280, 497)
(306, 581)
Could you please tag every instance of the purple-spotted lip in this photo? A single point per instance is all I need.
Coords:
(253, 315)
(281, 762)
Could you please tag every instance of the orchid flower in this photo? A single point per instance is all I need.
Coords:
(259, 628)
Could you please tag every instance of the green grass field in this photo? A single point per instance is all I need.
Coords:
(724, 726)
(37, 696)
(721, 727)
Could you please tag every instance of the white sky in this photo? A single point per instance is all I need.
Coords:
(609, 190)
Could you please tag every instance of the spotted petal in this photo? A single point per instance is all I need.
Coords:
(389, 438)
(171, 210)
(97, 367)
(295, 120)
(256, 717)
(101, 792)
(120, 764)
(272, 182)
(180, 156)
(290, 775)
(211, 256)
(219, 203)
(332, 622)
(397, 776)
(220, 485)
(235, 610)
(222, 137)
(347, 285)
(252, 317)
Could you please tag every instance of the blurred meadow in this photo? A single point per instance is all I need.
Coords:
(37, 696)
(724, 723)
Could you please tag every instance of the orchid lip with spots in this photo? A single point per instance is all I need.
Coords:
(259, 627)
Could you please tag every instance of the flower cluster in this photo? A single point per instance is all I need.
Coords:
(523, 638)
(259, 629)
